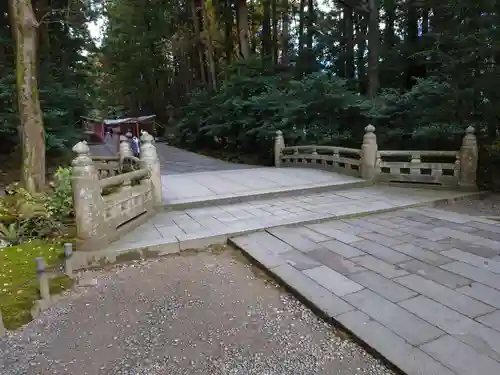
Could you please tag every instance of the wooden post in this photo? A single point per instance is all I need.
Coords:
(43, 279)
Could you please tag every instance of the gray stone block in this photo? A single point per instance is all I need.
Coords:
(267, 241)
(408, 326)
(340, 248)
(491, 320)
(385, 287)
(299, 260)
(489, 235)
(381, 252)
(368, 226)
(335, 282)
(474, 260)
(425, 233)
(380, 238)
(408, 359)
(335, 261)
(310, 290)
(446, 296)
(461, 358)
(326, 230)
(438, 275)
(483, 339)
(482, 293)
(294, 239)
(423, 243)
(483, 226)
(474, 273)
(481, 251)
(253, 248)
(311, 235)
(467, 237)
(425, 256)
(379, 266)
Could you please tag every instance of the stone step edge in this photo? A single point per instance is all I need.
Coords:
(232, 199)
(103, 258)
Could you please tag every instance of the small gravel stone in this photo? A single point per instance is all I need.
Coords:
(205, 313)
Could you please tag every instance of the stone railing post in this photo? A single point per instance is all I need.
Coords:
(125, 148)
(87, 204)
(369, 151)
(468, 159)
(279, 144)
(149, 159)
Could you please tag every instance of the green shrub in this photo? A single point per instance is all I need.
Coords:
(60, 201)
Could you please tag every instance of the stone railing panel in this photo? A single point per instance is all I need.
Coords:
(106, 166)
(440, 168)
(108, 204)
(346, 160)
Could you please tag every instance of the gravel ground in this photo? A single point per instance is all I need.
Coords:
(195, 313)
(484, 205)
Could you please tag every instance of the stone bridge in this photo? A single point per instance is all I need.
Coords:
(350, 231)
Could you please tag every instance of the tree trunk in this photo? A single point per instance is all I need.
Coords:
(285, 35)
(311, 15)
(373, 49)
(349, 45)
(198, 40)
(209, 50)
(301, 24)
(274, 22)
(31, 132)
(228, 30)
(266, 28)
(242, 17)
(361, 31)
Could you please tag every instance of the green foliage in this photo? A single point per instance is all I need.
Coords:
(320, 108)
(24, 216)
(247, 110)
(421, 118)
(60, 201)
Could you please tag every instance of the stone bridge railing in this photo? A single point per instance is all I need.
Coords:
(438, 168)
(112, 195)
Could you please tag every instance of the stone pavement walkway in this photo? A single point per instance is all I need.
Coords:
(202, 313)
(420, 286)
(191, 189)
(174, 160)
(197, 227)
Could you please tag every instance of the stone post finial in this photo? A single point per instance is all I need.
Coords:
(125, 148)
(149, 159)
(279, 145)
(369, 151)
(468, 159)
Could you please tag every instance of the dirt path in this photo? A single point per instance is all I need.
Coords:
(204, 313)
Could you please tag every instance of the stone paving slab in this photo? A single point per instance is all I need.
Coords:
(421, 301)
(202, 226)
(229, 186)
